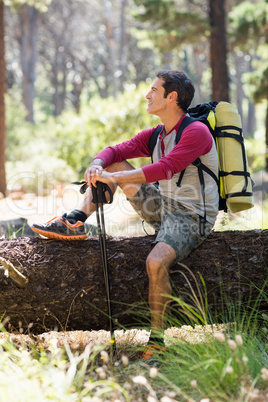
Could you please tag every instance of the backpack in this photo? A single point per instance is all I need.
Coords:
(234, 183)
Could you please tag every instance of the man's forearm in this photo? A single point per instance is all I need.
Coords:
(129, 176)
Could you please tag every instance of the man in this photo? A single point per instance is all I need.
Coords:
(174, 211)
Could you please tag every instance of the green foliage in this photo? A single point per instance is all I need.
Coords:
(31, 161)
(63, 147)
(257, 83)
(40, 5)
(41, 376)
(218, 369)
(248, 24)
(172, 24)
(22, 138)
(102, 122)
(248, 33)
(225, 363)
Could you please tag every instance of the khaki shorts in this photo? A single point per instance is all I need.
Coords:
(175, 225)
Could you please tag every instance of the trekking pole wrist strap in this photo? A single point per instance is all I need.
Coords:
(98, 192)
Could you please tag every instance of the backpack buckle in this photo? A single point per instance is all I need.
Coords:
(197, 162)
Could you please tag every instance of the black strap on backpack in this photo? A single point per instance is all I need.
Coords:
(153, 140)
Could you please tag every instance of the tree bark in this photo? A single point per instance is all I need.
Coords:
(123, 48)
(218, 51)
(28, 16)
(55, 284)
(2, 102)
(59, 73)
(266, 138)
(111, 80)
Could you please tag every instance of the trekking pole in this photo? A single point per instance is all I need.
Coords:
(99, 199)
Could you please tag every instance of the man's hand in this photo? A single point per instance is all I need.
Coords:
(91, 173)
(95, 168)
(95, 172)
(102, 176)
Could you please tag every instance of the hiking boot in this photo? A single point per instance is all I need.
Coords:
(60, 228)
(152, 355)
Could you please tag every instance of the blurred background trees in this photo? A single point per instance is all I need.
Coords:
(77, 73)
(2, 103)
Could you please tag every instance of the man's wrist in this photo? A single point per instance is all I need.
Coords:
(98, 162)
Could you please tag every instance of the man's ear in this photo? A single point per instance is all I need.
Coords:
(172, 95)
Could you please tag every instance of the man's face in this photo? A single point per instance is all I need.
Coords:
(157, 104)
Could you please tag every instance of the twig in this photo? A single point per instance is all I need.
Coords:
(13, 273)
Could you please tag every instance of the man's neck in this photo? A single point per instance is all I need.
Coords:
(171, 120)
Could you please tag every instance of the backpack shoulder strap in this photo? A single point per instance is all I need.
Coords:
(153, 140)
(185, 123)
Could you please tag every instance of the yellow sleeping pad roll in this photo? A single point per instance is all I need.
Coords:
(235, 181)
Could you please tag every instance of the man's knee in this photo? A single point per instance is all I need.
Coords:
(129, 189)
(119, 166)
(156, 268)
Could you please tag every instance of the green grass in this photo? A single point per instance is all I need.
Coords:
(223, 362)
(216, 369)
(221, 370)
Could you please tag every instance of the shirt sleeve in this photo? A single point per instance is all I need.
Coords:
(195, 141)
(136, 147)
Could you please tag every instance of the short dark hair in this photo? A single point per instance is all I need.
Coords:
(179, 82)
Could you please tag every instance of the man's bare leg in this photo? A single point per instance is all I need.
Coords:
(129, 189)
(158, 262)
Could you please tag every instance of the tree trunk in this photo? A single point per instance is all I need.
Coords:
(28, 26)
(2, 102)
(218, 51)
(239, 90)
(123, 48)
(266, 138)
(55, 284)
(110, 78)
(251, 119)
(58, 71)
(251, 113)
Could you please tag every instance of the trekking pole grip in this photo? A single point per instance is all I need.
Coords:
(98, 193)
(95, 198)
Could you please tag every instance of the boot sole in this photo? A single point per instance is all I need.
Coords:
(57, 236)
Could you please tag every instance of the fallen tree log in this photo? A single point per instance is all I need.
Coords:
(48, 284)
